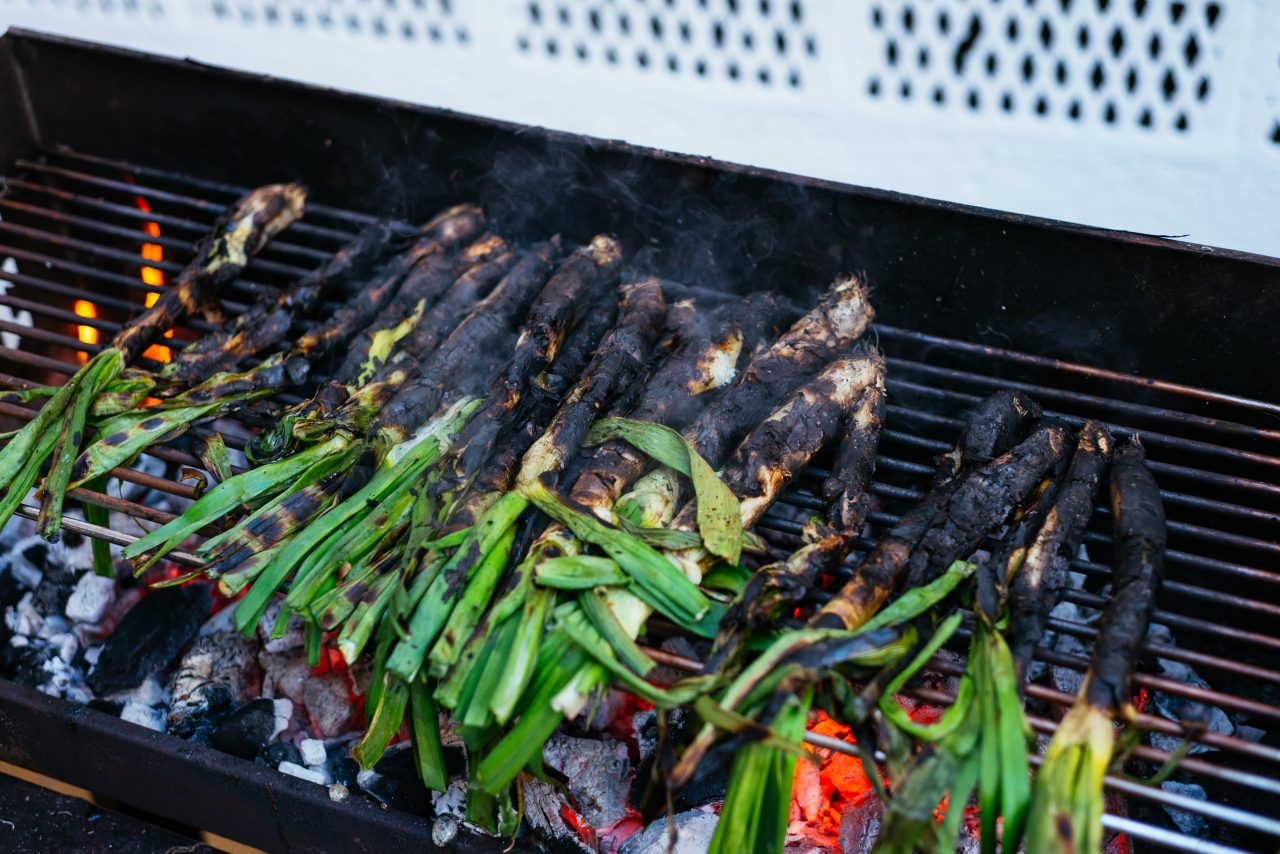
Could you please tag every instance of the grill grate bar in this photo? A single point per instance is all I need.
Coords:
(1057, 365)
(154, 194)
(341, 214)
(197, 229)
(139, 237)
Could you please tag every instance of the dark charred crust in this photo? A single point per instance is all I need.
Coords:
(1038, 583)
(846, 490)
(1139, 534)
(116, 439)
(215, 265)
(154, 423)
(450, 368)
(996, 424)
(982, 501)
(807, 346)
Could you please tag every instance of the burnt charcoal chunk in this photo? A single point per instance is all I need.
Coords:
(281, 751)
(247, 731)
(199, 725)
(710, 781)
(394, 782)
(149, 636)
(10, 589)
(343, 769)
(25, 664)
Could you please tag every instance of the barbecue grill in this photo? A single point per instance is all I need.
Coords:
(115, 162)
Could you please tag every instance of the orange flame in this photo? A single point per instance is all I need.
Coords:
(153, 276)
(86, 334)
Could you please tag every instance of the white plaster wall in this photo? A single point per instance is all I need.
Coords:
(1205, 166)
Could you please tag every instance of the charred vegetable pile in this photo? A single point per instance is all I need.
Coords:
(513, 460)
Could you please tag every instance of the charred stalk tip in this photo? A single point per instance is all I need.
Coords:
(997, 423)
(850, 311)
(454, 224)
(605, 250)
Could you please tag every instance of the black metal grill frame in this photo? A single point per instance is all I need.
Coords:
(70, 225)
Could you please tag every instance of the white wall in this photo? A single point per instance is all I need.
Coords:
(1180, 137)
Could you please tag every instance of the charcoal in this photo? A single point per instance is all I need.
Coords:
(394, 782)
(248, 730)
(710, 781)
(218, 673)
(1189, 823)
(280, 751)
(694, 830)
(54, 589)
(10, 587)
(342, 768)
(860, 825)
(149, 636)
(25, 664)
(328, 701)
(599, 776)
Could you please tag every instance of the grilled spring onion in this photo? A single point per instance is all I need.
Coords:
(315, 466)
(57, 430)
(1067, 803)
(761, 468)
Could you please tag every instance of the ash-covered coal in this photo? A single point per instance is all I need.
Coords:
(149, 636)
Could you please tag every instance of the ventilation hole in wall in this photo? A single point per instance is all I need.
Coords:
(624, 24)
(1275, 133)
(553, 48)
(1082, 37)
(611, 56)
(891, 52)
(1144, 117)
(1139, 8)
(973, 101)
(1202, 89)
(1181, 122)
(1028, 68)
(1042, 106)
(407, 31)
(299, 18)
(1065, 4)
(1169, 85)
(1176, 11)
(1191, 50)
(1006, 102)
(642, 58)
(1012, 29)
(780, 42)
(1103, 4)
(1073, 111)
(992, 64)
(593, 20)
(1117, 42)
(1097, 77)
(939, 95)
(1131, 79)
(796, 12)
(793, 79)
(748, 40)
(271, 13)
(580, 50)
(877, 17)
(763, 76)
(1153, 48)
(686, 32)
(673, 63)
(733, 71)
(353, 23)
(655, 26)
(908, 19)
(811, 46)
(944, 22)
(1212, 11)
(325, 20)
(1109, 113)
(700, 68)
(535, 13)
(873, 87)
(905, 89)
(220, 10)
(1046, 33)
(922, 58)
(563, 14)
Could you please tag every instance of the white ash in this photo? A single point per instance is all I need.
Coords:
(1068, 679)
(284, 716)
(309, 774)
(290, 639)
(543, 803)
(146, 705)
(223, 621)
(599, 775)
(1189, 823)
(694, 830)
(89, 601)
(312, 750)
(451, 802)
(1194, 714)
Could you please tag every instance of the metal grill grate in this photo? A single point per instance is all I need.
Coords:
(72, 227)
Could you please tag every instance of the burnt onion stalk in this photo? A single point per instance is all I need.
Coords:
(57, 431)
(1067, 801)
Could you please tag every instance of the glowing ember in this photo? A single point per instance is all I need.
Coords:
(86, 334)
(822, 792)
